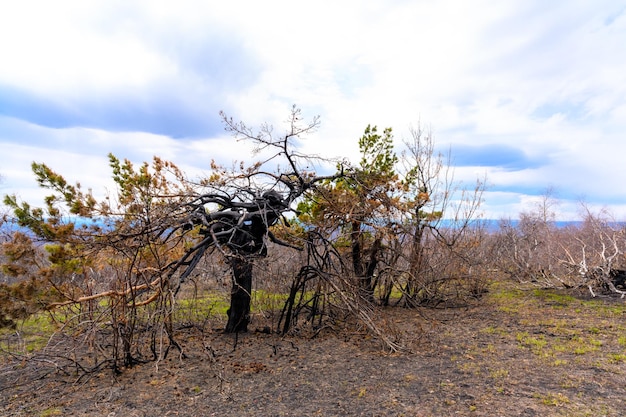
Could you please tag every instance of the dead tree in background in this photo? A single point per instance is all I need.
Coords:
(595, 254)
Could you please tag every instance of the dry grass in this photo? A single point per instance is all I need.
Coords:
(517, 352)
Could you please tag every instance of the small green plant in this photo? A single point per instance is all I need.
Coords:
(556, 400)
(493, 330)
(490, 330)
(581, 350)
(510, 309)
(469, 367)
(536, 345)
(490, 349)
(606, 310)
(52, 411)
(593, 330)
(569, 383)
(582, 346)
(499, 373)
(617, 357)
(595, 342)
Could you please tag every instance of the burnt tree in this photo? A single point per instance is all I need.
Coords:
(236, 219)
(239, 230)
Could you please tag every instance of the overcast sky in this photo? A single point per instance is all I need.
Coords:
(531, 93)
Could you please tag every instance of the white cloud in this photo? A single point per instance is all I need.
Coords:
(51, 47)
(80, 155)
(148, 77)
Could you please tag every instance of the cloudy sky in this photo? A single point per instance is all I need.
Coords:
(531, 93)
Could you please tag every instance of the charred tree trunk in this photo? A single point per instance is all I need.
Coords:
(355, 237)
(416, 267)
(370, 281)
(239, 311)
(364, 271)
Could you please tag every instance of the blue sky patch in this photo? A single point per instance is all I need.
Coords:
(157, 112)
(570, 110)
(494, 155)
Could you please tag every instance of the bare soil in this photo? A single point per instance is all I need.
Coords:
(513, 353)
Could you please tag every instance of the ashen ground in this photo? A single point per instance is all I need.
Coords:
(514, 353)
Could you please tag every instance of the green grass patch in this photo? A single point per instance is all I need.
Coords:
(555, 400)
(500, 293)
(264, 300)
(33, 333)
(580, 345)
(606, 309)
(617, 357)
(52, 411)
(28, 335)
(499, 373)
(593, 330)
(492, 330)
(556, 299)
(535, 344)
(511, 300)
(200, 307)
